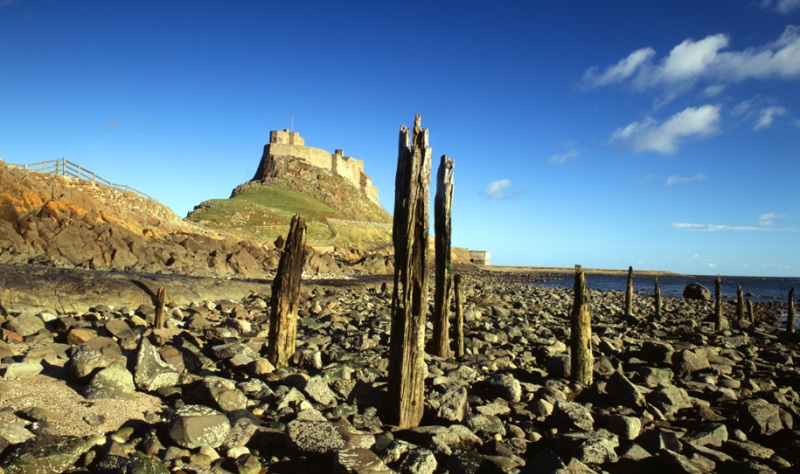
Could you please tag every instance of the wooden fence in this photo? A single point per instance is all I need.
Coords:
(64, 167)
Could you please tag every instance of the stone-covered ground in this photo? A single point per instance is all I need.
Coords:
(669, 394)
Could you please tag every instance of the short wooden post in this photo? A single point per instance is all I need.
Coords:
(286, 296)
(739, 304)
(406, 390)
(581, 337)
(459, 317)
(161, 299)
(444, 266)
(719, 318)
(629, 293)
(750, 313)
(657, 299)
(790, 323)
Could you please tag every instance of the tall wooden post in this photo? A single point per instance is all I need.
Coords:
(581, 337)
(161, 299)
(406, 389)
(444, 266)
(790, 323)
(657, 299)
(286, 296)
(719, 318)
(739, 304)
(750, 312)
(629, 293)
(459, 317)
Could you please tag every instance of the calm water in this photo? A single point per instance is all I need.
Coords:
(756, 289)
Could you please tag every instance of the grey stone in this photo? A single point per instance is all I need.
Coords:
(444, 440)
(318, 390)
(486, 424)
(85, 360)
(677, 463)
(759, 416)
(49, 454)
(314, 438)
(598, 450)
(690, 361)
(559, 366)
(713, 434)
(25, 324)
(504, 386)
(623, 392)
(18, 370)
(627, 427)
(113, 382)
(696, 291)
(151, 371)
(419, 461)
(359, 461)
(657, 352)
(669, 399)
(571, 416)
(193, 426)
(14, 433)
(225, 394)
(652, 377)
(453, 404)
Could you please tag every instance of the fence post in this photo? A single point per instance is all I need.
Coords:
(406, 391)
(444, 265)
(581, 334)
(629, 293)
(790, 312)
(719, 318)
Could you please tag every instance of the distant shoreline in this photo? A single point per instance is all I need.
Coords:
(510, 269)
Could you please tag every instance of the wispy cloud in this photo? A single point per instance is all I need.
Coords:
(500, 189)
(767, 115)
(766, 223)
(705, 59)
(781, 6)
(112, 125)
(665, 138)
(672, 180)
(769, 218)
(564, 157)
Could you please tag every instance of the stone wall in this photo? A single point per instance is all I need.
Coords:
(287, 146)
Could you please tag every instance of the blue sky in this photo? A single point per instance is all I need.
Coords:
(662, 135)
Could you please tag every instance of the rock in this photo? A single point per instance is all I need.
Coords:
(318, 390)
(25, 324)
(359, 461)
(760, 417)
(49, 454)
(464, 461)
(598, 450)
(14, 433)
(571, 416)
(669, 399)
(623, 392)
(486, 424)
(113, 382)
(627, 427)
(419, 461)
(19, 370)
(444, 440)
(690, 361)
(151, 371)
(193, 426)
(559, 366)
(314, 438)
(713, 434)
(504, 386)
(453, 404)
(696, 291)
(224, 394)
(657, 352)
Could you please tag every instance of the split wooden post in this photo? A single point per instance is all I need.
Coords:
(286, 296)
(443, 205)
(629, 294)
(406, 390)
(750, 312)
(657, 299)
(459, 317)
(581, 334)
(719, 318)
(739, 304)
(161, 299)
(790, 312)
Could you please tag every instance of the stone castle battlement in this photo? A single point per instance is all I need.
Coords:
(286, 152)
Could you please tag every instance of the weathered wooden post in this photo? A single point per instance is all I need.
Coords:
(790, 323)
(750, 313)
(719, 318)
(581, 337)
(657, 299)
(444, 266)
(739, 304)
(407, 369)
(459, 317)
(161, 299)
(286, 296)
(629, 293)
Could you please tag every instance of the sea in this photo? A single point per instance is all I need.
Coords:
(756, 289)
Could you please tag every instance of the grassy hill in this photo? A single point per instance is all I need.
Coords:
(263, 209)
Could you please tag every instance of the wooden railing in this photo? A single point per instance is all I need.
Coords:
(64, 167)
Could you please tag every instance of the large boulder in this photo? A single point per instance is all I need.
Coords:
(696, 291)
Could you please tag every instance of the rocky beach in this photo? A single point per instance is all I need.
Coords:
(94, 387)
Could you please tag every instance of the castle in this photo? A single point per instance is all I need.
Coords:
(287, 152)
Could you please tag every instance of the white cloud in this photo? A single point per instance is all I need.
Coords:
(618, 72)
(715, 90)
(665, 138)
(500, 190)
(684, 179)
(768, 218)
(691, 61)
(782, 6)
(767, 116)
(564, 157)
(729, 228)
